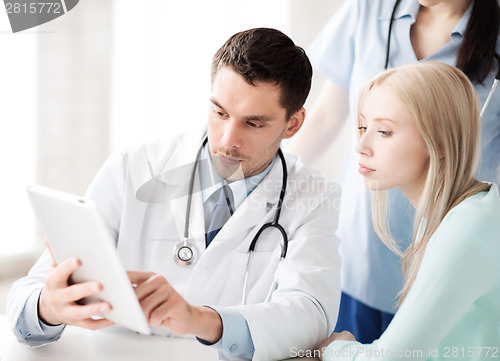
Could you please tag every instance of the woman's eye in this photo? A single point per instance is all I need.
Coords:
(362, 129)
(385, 133)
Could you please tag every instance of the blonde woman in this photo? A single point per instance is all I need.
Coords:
(419, 131)
(362, 38)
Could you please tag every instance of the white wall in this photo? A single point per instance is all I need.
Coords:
(161, 61)
(17, 137)
(54, 112)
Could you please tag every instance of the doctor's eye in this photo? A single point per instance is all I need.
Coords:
(221, 115)
(254, 125)
(219, 112)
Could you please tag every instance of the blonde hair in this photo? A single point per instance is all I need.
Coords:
(444, 105)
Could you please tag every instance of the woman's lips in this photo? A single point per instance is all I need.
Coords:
(363, 170)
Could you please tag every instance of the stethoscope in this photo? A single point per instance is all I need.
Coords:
(497, 57)
(185, 253)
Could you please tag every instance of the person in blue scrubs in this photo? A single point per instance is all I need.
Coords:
(351, 50)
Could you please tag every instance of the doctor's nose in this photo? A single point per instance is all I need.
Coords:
(232, 137)
(363, 146)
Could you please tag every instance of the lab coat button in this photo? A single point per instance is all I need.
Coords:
(233, 348)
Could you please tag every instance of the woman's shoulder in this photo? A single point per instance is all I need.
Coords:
(483, 204)
(476, 218)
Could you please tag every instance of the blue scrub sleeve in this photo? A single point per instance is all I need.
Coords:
(30, 329)
(236, 339)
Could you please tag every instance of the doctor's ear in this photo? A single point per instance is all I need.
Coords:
(294, 123)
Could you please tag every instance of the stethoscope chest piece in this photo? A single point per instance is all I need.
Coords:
(185, 253)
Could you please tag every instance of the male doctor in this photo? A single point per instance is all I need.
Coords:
(260, 81)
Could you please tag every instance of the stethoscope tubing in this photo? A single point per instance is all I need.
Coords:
(493, 86)
(274, 224)
(191, 188)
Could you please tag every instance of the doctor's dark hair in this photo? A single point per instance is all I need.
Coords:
(268, 55)
(476, 53)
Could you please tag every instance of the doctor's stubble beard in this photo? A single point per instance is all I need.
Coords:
(236, 172)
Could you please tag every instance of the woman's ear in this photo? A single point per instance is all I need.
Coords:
(294, 123)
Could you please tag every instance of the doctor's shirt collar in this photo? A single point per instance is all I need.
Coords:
(210, 180)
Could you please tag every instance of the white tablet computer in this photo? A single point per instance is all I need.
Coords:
(74, 227)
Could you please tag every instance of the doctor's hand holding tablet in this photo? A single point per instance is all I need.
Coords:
(74, 293)
(161, 304)
(58, 300)
(85, 278)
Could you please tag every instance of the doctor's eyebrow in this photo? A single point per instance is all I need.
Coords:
(216, 103)
(257, 118)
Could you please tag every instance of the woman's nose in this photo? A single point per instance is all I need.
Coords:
(363, 146)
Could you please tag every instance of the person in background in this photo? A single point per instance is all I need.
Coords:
(248, 307)
(352, 49)
(420, 130)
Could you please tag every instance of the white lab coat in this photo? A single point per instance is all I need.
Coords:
(148, 223)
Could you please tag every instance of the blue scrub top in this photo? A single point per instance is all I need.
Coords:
(350, 51)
